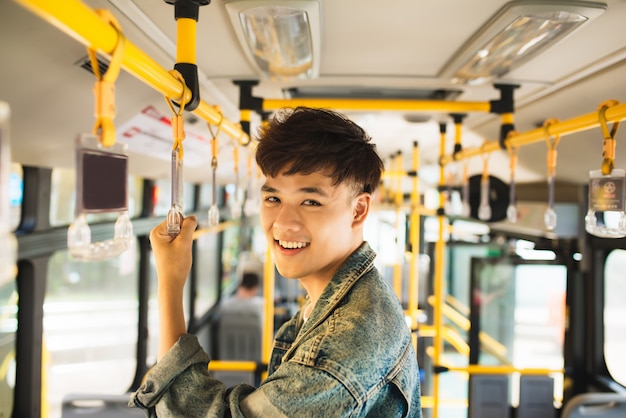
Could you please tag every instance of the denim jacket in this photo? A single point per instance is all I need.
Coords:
(353, 357)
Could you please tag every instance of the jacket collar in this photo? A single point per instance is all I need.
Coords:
(356, 266)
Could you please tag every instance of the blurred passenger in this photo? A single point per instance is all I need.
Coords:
(247, 294)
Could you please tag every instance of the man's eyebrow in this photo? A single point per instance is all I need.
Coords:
(314, 190)
(310, 190)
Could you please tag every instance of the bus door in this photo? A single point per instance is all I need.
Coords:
(517, 323)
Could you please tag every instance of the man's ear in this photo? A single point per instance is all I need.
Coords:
(361, 209)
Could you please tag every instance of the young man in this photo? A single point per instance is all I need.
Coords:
(348, 352)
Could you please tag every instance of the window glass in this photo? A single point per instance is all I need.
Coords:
(62, 196)
(89, 326)
(164, 197)
(385, 231)
(8, 332)
(230, 257)
(614, 311)
(16, 195)
(512, 323)
(206, 196)
(207, 268)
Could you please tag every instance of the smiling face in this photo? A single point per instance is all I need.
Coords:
(311, 225)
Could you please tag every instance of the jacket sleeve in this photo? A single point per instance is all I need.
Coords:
(180, 386)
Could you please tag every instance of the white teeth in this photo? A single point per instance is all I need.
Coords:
(292, 244)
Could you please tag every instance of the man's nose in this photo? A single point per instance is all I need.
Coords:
(287, 219)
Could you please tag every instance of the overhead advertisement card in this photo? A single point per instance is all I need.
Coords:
(150, 133)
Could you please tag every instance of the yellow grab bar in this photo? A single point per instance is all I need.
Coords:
(83, 24)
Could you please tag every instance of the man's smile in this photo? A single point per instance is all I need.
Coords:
(292, 244)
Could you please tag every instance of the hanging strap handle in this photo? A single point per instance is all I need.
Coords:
(485, 156)
(104, 88)
(512, 151)
(552, 141)
(178, 122)
(608, 145)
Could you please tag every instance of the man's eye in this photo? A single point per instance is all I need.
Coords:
(272, 199)
(311, 203)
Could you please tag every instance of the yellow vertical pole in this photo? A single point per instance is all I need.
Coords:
(268, 296)
(438, 277)
(399, 198)
(414, 234)
(186, 40)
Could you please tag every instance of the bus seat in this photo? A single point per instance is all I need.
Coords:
(536, 397)
(596, 405)
(488, 396)
(98, 406)
(239, 338)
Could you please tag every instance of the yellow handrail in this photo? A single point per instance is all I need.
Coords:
(234, 366)
(480, 369)
(83, 24)
(581, 123)
(379, 104)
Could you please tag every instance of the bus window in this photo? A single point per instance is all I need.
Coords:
(539, 316)
(63, 199)
(207, 268)
(8, 330)
(206, 196)
(230, 257)
(614, 311)
(90, 326)
(525, 325)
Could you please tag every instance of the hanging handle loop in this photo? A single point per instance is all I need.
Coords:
(550, 216)
(485, 156)
(214, 213)
(608, 146)
(79, 233)
(178, 122)
(104, 88)
(552, 141)
(511, 210)
(175, 214)
(512, 151)
(465, 192)
(484, 209)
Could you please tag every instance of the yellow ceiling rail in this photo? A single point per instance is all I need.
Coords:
(379, 104)
(581, 123)
(87, 27)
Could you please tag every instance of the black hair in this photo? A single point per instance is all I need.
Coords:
(305, 140)
(249, 280)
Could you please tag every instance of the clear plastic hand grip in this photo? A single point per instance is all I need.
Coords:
(549, 217)
(484, 210)
(175, 214)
